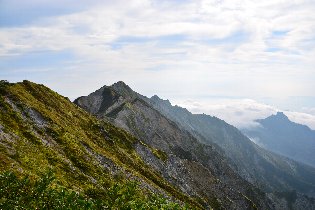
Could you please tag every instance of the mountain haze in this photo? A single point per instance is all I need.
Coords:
(278, 134)
(257, 165)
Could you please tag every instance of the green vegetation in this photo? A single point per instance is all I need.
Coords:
(4, 84)
(159, 154)
(86, 154)
(156, 152)
(43, 193)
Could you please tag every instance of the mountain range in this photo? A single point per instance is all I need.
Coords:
(134, 112)
(115, 135)
(255, 164)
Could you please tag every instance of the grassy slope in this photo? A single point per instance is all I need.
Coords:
(68, 140)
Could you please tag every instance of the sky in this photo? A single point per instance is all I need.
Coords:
(203, 53)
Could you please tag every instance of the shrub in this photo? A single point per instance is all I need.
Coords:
(23, 193)
(3, 85)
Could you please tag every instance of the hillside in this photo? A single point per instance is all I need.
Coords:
(278, 134)
(42, 131)
(54, 154)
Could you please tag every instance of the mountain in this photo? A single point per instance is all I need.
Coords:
(204, 152)
(149, 162)
(263, 168)
(197, 169)
(42, 131)
(278, 134)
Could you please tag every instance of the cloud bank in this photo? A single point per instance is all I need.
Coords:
(242, 113)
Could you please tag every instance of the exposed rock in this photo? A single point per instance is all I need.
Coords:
(37, 118)
(198, 170)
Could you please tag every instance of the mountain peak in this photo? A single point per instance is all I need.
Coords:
(156, 98)
(275, 118)
(120, 84)
(123, 89)
(280, 115)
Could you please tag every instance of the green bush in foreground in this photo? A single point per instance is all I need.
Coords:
(23, 193)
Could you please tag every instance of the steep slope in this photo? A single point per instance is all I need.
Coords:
(278, 134)
(41, 130)
(197, 169)
(263, 168)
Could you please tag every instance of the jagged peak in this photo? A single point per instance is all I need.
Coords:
(280, 115)
(156, 98)
(122, 88)
(120, 84)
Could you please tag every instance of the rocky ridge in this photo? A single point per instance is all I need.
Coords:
(142, 117)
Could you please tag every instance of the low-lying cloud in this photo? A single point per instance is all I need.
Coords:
(242, 113)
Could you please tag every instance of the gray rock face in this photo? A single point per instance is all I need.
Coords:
(106, 99)
(37, 118)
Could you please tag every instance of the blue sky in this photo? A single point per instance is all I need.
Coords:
(198, 50)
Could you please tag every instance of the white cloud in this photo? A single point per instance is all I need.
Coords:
(208, 57)
(257, 141)
(302, 118)
(308, 110)
(242, 113)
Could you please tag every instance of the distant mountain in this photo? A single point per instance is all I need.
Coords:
(278, 134)
(203, 146)
(263, 168)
